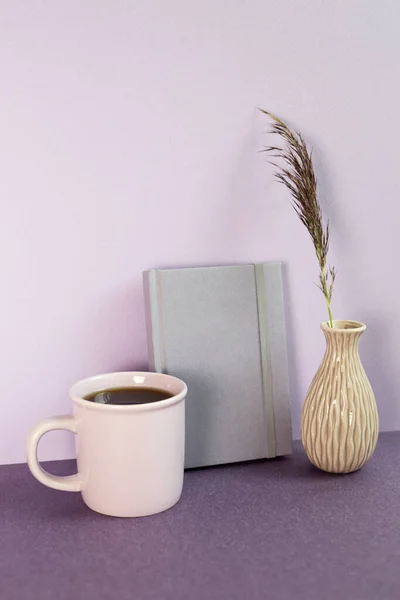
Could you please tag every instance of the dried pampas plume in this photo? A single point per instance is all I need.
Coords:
(297, 174)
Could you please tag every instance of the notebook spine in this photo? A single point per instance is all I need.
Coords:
(152, 297)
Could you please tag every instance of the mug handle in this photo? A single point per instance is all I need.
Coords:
(70, 483)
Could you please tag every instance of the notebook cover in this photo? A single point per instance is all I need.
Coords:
(222, 330)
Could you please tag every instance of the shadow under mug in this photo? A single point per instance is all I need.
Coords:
(130, 458)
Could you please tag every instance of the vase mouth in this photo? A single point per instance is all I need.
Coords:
(344, 326)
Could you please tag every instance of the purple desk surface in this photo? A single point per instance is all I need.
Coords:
(278, 530)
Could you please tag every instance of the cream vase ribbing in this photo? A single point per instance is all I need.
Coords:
(339, 422)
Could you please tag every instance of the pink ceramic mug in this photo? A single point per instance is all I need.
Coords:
(130, 457)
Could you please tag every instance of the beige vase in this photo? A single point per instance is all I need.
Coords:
(339, 422)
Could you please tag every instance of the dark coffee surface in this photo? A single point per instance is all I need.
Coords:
(125, 396)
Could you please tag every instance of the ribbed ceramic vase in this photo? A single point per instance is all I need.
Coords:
(339, 422)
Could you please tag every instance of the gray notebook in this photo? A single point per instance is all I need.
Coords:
(222, 330)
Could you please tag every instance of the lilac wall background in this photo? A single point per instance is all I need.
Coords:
(128, 140)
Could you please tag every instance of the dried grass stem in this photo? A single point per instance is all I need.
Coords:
(296, 172)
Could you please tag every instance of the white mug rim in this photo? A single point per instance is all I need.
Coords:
(77, 398)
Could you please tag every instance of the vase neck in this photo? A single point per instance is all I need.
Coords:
(335, 337)
(346, 328)
(342, 340)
